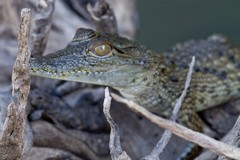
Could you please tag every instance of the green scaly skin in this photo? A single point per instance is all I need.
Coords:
(152, 80)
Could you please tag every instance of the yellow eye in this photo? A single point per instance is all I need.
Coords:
(103, 50)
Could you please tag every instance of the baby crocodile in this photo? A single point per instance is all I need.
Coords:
(152, 80)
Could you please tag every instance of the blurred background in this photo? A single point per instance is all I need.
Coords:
(163, 23)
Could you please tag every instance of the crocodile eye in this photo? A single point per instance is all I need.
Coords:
(103, 50)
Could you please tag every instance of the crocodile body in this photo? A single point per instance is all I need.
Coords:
(152, 80)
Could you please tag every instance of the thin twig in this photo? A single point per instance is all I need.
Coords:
(187, 84)
(162, 143)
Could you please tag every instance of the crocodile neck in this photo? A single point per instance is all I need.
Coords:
(158, 87)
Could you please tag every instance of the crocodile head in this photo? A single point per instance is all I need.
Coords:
(97, 58)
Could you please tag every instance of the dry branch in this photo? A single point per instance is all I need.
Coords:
(114, 144)
(13, 140)
(47, 153)
(233, 137)
(102, 16)
(41, 25)
(46, 135)
(204, 141)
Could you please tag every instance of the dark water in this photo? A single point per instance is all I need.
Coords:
(163, 23)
